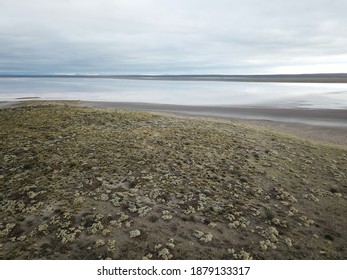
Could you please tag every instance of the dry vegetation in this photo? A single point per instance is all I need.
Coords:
(87, 183)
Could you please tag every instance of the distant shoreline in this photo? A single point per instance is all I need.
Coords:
(300, 78)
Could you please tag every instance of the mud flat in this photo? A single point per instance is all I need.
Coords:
(103, 183)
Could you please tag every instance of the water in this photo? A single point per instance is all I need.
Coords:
(286, 95)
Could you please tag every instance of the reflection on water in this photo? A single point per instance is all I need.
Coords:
(296, 95)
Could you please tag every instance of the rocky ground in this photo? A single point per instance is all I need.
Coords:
(88, 183)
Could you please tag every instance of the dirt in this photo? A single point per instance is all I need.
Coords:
(91, 183)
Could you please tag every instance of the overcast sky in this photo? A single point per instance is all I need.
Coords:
(173, 36)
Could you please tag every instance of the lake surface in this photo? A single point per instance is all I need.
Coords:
(279, 95)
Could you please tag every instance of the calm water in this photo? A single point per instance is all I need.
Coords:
(295, 95)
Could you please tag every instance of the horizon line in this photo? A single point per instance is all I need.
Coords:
(156, 75)
(270, 78)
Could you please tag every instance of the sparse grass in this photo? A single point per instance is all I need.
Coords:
(81, 183)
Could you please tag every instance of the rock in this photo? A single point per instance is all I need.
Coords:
(243, 179)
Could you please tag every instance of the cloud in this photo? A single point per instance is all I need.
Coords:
(182, 36)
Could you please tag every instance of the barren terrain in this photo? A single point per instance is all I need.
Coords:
(91, 183)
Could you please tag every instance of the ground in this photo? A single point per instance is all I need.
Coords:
(89, 183)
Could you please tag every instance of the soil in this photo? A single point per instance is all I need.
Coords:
(91, 183)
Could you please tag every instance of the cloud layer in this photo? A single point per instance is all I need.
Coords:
(173, 37)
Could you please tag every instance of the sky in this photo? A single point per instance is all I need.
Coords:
(173, 36)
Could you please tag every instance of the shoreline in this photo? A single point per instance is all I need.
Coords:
(319, 117)
(322, 125)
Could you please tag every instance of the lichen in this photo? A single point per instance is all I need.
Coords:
(104, 197)
(43, 228)
(166, 215)
(66, 236)
(99, 243)
(8, 228)
(71, 176)
(147, 257)
(143, 211)
(189, 210)
(288, 241)
(165, 254)
(135, 233)
(111, 245)
(202, 236)
(95, 227)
